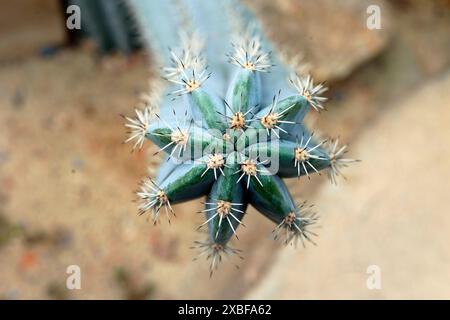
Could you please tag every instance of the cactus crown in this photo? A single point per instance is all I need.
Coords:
(236, 150)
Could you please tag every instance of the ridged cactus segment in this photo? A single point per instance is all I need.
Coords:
(224, 210)
(274, 201)
(274, 119)
(189, 142)
(244, 92)
(295, 158)
(185, 182)
(281, 113)
(225, 206)
(175, 141)
(188, 181)
(207, 108)
(271, 197)
(247, 145)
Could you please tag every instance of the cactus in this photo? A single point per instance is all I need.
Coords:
(108, 23)
(232, 146)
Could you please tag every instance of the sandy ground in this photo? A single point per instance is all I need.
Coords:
(67, 181)
(393, 214)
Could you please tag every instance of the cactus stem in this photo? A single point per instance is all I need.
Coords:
(217, 156)
(138, 127)
(312, 93)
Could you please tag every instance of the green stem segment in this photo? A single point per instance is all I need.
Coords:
(187, 182)
(285, 153)
(207, 108)
(245, 92)
(225, 205)
(289, 109)
(272, 198)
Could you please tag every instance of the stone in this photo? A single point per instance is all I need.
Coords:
(332, 35)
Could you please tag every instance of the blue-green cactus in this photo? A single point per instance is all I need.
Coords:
(234, 146)
(108, 23)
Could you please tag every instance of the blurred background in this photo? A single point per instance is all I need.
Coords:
(67, 181)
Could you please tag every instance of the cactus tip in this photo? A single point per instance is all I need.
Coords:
(138, 127)
(337, 162)
(153, 198)
(214, 252)
(312, 93)
(297, 225)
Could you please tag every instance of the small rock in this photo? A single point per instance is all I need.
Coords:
(333, 35)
